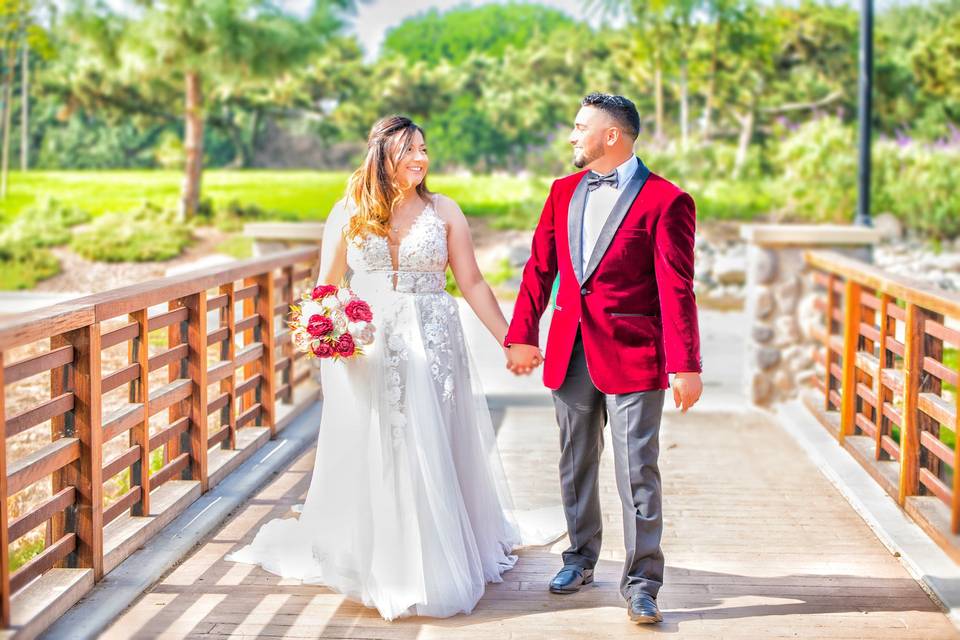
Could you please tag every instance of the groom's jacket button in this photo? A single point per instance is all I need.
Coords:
(584, 291)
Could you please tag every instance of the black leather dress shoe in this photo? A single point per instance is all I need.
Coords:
(643, 609)
(570, 579)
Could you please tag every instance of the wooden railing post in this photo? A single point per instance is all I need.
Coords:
(955, 507)
(4, 523)
(228, 352)
(176, 334)
(879, 389)
(286, 349)
(909, 435)
(197, 370)
(62, 380)
(264, 308)
(140, 392)
(827, 333)
(851, 339)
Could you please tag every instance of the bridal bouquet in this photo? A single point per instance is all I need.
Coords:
(331, 322)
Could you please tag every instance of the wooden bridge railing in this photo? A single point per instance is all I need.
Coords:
(888, 381)
(103, 447)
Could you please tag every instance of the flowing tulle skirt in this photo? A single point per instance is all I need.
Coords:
(408, 510)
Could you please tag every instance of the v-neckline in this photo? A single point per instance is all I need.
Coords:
(395, 264)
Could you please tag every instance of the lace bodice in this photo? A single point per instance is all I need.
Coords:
(421, 256)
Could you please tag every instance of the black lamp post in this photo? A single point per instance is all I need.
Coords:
(864, 112)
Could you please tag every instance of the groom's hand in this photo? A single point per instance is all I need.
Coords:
(523, 358)
(687, 387)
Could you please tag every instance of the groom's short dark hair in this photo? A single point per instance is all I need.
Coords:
(621, 109)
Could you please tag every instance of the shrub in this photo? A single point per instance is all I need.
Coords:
(147, 233)
(44, 225)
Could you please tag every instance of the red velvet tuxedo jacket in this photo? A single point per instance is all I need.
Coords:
(634, 302)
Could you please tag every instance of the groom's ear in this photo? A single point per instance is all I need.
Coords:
(613, 135)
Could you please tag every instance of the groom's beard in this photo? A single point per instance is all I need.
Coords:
(585, 156)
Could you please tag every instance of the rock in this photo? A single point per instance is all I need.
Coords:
(787, 293)
(798, 358)
(787, 331)
(764, 303)
(760, 389)
(730, 269)
(762, 333)
(949, 262)
(810, 318)
(764, 266)
(783, 382)
(518, 255)
(767, 357)
(888, 225)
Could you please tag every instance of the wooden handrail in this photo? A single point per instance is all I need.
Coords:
(74, 459)
(888, 386)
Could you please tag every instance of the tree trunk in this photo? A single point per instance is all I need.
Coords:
(684, 105)
(743, 143)
(7, 117)
(25, 107)
(711, 83)
(193, 147)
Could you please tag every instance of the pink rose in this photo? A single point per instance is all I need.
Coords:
(345, 346)
(319, 325)
(322, 291)
(358, 310)
(323, 349)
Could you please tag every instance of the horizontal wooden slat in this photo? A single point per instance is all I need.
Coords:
(865, 424)
(892, 379)
(935, 485)
(42, 512)
(896, 312)
(249, 415)
(114, 337)
(122, 419)
(869, 300)
(217, 335)
(247, 385)
(122, 505)
(869, 332)
(248, 354)
(120, 462)
(835, 398)
(281, 338)
(215, 302)
(243, 293)
(836, 343)
(938, 330)
(892, 414)
(220, 371)
(937, 408)
(173, 468)
(938, 369)
(220, 436)
(282, 391)
(300, 377)
(936, 447)
(866, 394)
(890, 445)
(247, 323)
(836, 371)
(168, 356)
(17, 371)
(895, 346)
(41, 463)
(163, 397)
(867, 362)
(120, 377)
(282, 309)
(281, 364)
(219, 403)
(300, 274)
(167, 318)
(169, 433)
(32, 417)
(44, 561)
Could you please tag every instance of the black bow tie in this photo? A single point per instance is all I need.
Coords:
(594, 180)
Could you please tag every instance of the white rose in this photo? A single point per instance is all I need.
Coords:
(356, 328)
(344, 295)
(330, 302)
(307, 309)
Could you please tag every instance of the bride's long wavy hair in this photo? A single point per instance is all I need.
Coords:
(373, 188)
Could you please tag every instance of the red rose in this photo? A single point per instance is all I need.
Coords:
(323, 349)
(358, 310)
(319, 325)
(345, 346)
(322, 291)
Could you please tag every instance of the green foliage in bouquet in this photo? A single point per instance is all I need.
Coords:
(144, 234)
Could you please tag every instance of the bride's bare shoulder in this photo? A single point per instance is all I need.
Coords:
(447, 208)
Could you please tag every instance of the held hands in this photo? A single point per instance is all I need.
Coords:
(687, 387)
(523, 358)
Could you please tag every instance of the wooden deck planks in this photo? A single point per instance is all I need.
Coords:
(758, 545)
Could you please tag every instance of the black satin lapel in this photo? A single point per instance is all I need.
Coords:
(620, 209)
(575, 225)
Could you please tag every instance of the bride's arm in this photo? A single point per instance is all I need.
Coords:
(333, 251)
(463, 263)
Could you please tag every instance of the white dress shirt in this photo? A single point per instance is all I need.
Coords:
(597, 208)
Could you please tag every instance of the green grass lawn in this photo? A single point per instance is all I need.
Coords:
(305, 195)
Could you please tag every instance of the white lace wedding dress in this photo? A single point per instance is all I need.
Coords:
(408, 510)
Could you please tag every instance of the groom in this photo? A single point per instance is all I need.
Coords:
(621, 240)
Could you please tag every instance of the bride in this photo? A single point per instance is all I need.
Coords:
(408, 509)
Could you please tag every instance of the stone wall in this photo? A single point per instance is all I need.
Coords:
(779, 303)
